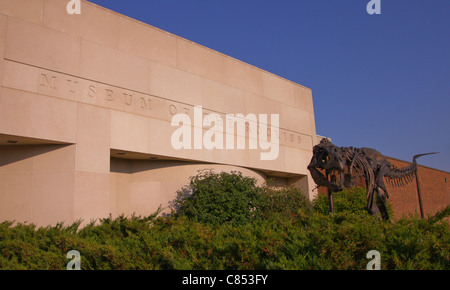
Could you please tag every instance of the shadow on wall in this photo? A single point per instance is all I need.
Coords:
(17, 153)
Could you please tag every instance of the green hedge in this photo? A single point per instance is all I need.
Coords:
(220, 197)
(281, 231)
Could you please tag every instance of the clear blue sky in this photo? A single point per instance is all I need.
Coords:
(378, 81)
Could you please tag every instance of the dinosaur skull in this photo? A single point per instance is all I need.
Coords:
(326, 156)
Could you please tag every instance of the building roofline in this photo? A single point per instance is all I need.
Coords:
(197, 44)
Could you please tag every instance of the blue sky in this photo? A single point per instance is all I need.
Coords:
(378, 81)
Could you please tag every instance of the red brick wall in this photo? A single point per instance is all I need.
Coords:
(434, 191)
(404, 200)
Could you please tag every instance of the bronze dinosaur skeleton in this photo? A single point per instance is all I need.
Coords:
(343, 164)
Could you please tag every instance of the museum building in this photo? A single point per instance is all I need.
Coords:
(86, 109)
(90, 103)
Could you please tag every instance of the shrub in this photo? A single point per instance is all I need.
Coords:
(305, 241)
(286, 202)
(281, 230)
(353, 200)
(220, 197)
(231, 197)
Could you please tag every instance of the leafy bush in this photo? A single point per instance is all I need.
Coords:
(348, 200)
(220, 197)
(286, 202)
(353, 200)
(308, 241)
(285, 232)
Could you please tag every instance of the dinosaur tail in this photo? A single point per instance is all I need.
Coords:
(402, 176)
(420, 155)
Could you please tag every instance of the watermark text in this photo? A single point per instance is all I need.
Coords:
(374, 7)
(75, 263)
(74, 7)
(221, 133)
(375, 263)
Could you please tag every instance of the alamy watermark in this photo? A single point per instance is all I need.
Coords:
(375, 263)
(221, 134)
(75, 263)
(374, 7)
(74, 7)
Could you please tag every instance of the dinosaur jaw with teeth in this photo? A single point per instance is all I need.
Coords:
(323, 158)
